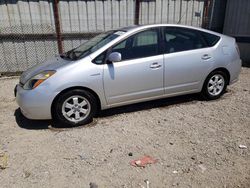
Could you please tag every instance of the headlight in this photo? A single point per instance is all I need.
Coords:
(38, 79)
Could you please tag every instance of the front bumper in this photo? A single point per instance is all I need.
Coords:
(36, 103)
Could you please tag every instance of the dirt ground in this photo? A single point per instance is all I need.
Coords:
(196, 143)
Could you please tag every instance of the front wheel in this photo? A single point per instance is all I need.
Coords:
(215, 85)
(74, 108)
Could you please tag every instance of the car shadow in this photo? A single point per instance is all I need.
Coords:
(25, 123)
(160, 103)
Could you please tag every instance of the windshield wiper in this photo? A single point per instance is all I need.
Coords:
(63, 56)
(67, 55)
(74, 54)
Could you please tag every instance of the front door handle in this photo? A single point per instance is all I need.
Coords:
(206, 57)
(155, 65)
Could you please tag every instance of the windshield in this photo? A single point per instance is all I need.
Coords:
(92, 45)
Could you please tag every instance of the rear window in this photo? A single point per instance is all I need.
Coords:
(210, 38)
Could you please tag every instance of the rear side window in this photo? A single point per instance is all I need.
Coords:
(181, 39)
(210, 39)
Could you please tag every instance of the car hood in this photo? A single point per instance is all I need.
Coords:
(51, 64)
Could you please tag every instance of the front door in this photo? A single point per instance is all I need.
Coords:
(139, 74)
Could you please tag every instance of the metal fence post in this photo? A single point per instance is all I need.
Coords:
(137, 12)
(57, 26)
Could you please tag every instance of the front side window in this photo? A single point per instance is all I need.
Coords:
(143, 44)
(100, 59)
(180, 39)
(146, 38)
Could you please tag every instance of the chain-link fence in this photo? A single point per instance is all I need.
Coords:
(32, 31)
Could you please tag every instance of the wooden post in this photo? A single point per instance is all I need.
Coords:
(57, 26)
(137, 12)
(206, 10)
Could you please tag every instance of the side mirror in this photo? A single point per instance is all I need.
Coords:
(115, 57)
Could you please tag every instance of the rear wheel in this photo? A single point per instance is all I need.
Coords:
(74, 108)
(215, 85)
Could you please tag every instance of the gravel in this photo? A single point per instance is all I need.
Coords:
(196, 143)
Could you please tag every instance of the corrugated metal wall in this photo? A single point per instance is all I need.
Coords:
(237, 24)
(217, 15)
(237, 19)
(23, 22)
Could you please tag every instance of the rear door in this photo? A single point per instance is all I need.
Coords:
(139, 74)
(187, 60)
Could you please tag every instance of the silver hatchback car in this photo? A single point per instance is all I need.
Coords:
(126, 66)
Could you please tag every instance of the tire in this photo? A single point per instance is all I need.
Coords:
(215, 85)
(74, 108)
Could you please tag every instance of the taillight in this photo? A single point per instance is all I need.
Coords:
(237, 48)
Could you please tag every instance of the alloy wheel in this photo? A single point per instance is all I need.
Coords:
(76, 108)
(215, 85)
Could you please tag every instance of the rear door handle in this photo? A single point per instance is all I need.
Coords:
(155, 65)
(206, 57)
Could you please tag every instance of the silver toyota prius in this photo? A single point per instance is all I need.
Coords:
(126, 66)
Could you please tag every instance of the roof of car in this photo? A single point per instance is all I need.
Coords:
(129, 28)
(138, 27)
